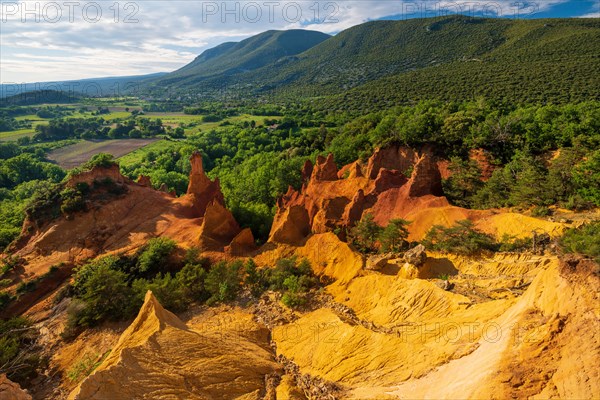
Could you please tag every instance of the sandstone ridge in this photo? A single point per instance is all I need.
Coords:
(396, 182)
(181, 360)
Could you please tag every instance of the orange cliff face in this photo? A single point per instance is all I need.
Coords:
(331, 199)
(127, 221)
(201, 190)
(396, 182)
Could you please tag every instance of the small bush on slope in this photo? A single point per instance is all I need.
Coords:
(462, 238)
(364, 235)
(394, 236)
(155, 255)
(223, 282)
(584, 240)
(18, 358)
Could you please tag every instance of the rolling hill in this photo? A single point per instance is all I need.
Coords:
(400, 61)
(227, 59)
(92, 87)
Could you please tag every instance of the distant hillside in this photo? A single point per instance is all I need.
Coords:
(228, 59)
(454, 57)
(39, 97)
(539, 61)
(93, 87)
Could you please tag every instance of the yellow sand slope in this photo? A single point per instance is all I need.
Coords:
(411, 339)
(159, 357)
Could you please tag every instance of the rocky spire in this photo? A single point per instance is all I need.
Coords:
(201, 189)
(325, 169)
(199, 182)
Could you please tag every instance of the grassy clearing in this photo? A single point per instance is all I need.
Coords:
(14, 135)
(72, 156)
(176, 119)
(137, 156)
(115, 115)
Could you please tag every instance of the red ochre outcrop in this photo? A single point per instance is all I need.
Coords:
(201, 190)
(396, 182)
(10, 390)
(98, 174)
(127, 222)
(144, 181)
(332, 199)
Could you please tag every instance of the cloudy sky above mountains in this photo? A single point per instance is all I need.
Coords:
(62, 40)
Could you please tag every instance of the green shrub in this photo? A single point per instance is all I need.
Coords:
(75, 312)
(102, 160)
(365, 234)
(168, 291)
(112, 187)
(84, 273)
(18, 359)
(293, 300)
(285, 268)
(223, 282)
(25, 287)
(85, 366)
(462, 238)
(393, 237)
(191, 278)
(44, 205)
(5, 299)
(71, 201)
(83, 188)
(294, 278)
(10, 263)
(154, 256)
(7, 236)
(105, 294)
(212, 118)
(584, 240)
(541, 211)
(464, 182)
(587, 178)
(257, 280)
(5, 282)
(297, 287)
(512, 244)
(577, 203)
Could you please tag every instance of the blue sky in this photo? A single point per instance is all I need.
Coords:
(49, 40)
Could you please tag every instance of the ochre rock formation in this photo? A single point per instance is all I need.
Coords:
(201, 190)
(10, 390)
(325, 169)
(160, 357)
(126, 222)
(518, 335)
(332, 199)
(291, 225)
(144, 181)
(396, 182)
(98, 174)
(218, 226)
(242, 244)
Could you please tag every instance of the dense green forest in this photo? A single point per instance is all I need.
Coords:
(380, 64)
(542, 155)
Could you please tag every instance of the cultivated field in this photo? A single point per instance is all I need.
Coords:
(194, 124)
(73, 156)
(14, 135)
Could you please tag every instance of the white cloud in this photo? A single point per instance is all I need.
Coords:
(167, 34)
(591, 15)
